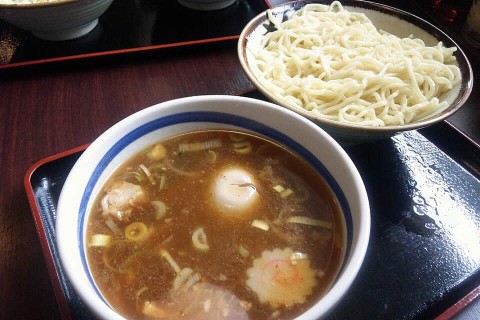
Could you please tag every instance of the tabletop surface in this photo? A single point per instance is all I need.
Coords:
(49, 108)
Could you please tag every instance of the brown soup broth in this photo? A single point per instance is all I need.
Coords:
(180, 173)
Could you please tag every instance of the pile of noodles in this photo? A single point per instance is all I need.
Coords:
(337, 65)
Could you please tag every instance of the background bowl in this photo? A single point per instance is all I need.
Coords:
(145, 127)
(390, 19)
(60, 20)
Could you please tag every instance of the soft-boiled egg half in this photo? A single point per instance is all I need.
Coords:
(234, 191)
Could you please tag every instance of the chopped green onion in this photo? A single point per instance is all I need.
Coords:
(147, 173)
(297, 256)
(112, 226)
(212, 156)
(185, 279)
(162, 182)
(100, 240)
(206, 305)
(243, 251)
(247, 305)
(222, 277)
(243, 147)
(285, 193)
(139, 292)
(199, 239)
(170, 260)
(310, 221)
(181, 278)
(136, 231)
(158, 152)
(192, 280)
(200, 146)
(152, 310)
(179, 171)
(160, 209)
(145, 169)
(260, 224)
(236, 137)
(138, 176)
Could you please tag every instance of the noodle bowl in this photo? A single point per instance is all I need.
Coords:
(343, 68)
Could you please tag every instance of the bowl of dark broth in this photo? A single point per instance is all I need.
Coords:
(213, 207)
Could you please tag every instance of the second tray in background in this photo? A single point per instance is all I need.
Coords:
(131, 26)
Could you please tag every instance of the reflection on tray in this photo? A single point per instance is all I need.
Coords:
(128, 26)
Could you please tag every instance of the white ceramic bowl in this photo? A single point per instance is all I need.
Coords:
(145, 127)
(395, 21)
(56, 21)
(206, 4)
